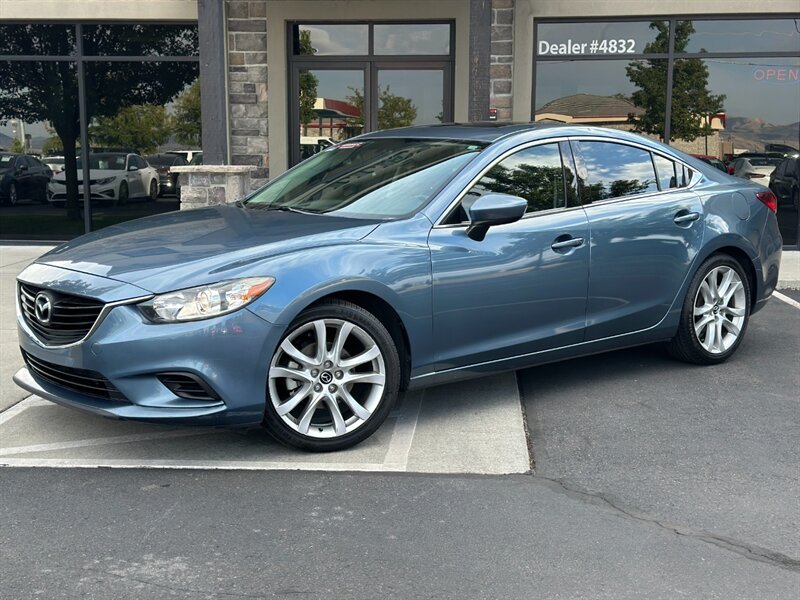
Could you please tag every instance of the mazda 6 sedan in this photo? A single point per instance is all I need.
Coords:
(395, 260)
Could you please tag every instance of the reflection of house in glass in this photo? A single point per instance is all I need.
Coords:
(588, 109)
(336, 119)
(619, 113)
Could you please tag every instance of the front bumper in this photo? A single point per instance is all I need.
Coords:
(230, 353)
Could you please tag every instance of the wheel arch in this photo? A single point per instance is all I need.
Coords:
(747, 258)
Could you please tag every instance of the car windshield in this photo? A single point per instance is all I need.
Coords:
(159, 160)
(106, 162)
(764, 162)
(379, 178)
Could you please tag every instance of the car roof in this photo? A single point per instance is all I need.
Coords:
(488, 131)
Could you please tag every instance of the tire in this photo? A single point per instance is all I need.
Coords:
(796, 199)
(710, 333)
(329, 412)
(123, 194)
(13, 194)
(153, 191)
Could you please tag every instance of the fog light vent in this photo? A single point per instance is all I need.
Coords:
(188, 386)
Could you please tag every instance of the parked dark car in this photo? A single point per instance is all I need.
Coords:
(395, 260)
(168, 183)
(23, 177)
(713, 161)
(785, 181)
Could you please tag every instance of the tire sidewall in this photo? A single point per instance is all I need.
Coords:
(687, 315)
(123, 198)
(13, 194)
(369, 323)
(153, 192)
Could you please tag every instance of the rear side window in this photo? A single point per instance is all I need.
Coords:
(613, 170)
(535, 174)
(667, 173)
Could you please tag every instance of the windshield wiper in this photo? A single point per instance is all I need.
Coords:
(280, 209)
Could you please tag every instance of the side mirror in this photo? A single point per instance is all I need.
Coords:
(22, 168)
(133, 168)
(494, 209)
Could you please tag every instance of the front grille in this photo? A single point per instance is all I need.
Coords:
(80, 381)
(71, 317)
(188, 386)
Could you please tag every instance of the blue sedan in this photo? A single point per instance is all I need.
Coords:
(395, 260)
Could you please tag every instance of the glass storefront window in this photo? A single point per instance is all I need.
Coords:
(601, 38)
(141, 40)
(410, 97)
(742, 35)
(410, 39)
(36, 39)
(330, 40)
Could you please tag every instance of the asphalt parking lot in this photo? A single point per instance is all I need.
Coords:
(650, 478)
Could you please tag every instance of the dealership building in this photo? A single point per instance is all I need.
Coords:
(280, 80)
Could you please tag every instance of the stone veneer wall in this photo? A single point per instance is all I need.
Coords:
(247, 86)
(502, 58)
(206, 185)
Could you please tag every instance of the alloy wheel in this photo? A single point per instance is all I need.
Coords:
(719, 310)
(327, 378)
(12, 194)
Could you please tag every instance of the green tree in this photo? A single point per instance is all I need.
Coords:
(393, 110)
(187, 122)
(143, 127)
(17, 146)
(308, 84)
(48, 90)
(692, 101)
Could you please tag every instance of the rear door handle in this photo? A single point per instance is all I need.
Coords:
(570, 243)
(682, 217)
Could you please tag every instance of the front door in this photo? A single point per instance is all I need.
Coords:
(523, 288)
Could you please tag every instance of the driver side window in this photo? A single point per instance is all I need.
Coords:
(535, 174)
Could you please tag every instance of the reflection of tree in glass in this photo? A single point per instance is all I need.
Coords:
(542, 187)
(187, 121)
(48, 90)
(393, 110)
(144, 127)
(618, 188)
(692, 101)
(308, 83)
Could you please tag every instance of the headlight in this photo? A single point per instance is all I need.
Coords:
(105, 180)
(205, 301)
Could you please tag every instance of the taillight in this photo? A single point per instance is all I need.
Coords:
(769, 200)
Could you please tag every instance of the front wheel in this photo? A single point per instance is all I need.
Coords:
(715, 313)
(123, 194)
(153, 190)
(13, 194)
(333, 379)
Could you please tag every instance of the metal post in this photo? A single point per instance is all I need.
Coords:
(673, 23)
(213, 89)
(480, 38)
(87, 192)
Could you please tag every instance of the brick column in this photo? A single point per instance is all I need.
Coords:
(502, 58)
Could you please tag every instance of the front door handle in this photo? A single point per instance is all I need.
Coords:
(686, 217)
(569, 243)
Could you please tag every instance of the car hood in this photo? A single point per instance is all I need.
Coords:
(194, 247)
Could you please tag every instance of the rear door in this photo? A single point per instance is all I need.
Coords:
(646, 228)
(522, 289)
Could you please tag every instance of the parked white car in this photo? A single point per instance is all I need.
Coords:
(755, 167)
(56, 163)
(114, 177)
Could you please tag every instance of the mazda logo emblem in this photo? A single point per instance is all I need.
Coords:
(326, 377)
(43, 308)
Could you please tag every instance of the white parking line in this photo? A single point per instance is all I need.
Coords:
(784, 298)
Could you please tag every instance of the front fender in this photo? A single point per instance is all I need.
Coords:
(397, 272)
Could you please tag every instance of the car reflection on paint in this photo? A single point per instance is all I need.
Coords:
(395, 260)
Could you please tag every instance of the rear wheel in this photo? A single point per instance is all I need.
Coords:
(333, 379)
(715, 313)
